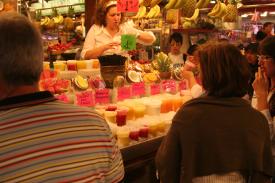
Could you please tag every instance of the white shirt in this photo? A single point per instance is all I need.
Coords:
(176, 59)
(98, 36)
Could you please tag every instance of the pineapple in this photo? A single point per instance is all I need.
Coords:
(189, 8)
(232, 11)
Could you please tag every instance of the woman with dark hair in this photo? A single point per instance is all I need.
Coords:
(264, 85)
(217, 137)
(104, 36)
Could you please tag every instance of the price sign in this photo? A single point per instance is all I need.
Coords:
(169, 86)
(155, 89)
(85, 99)
(138, 89)
(127, 5)
(128, 42)
(102, 96)
(123, 93)
(63, 97)
(183, 85)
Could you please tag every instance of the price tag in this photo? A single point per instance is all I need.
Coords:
(85, 99)
(183, 85)
(63, 97)
(169, 86)
(102, 96)
(127, 5)
(123, 93)
(128, 42)
(155, 89)
(138, 89)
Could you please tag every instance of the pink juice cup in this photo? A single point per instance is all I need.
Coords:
(121, 117)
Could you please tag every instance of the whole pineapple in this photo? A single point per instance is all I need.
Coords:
(189, 8)
(232, 11)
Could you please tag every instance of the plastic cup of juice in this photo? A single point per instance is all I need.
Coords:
(71, 65)
(110, 116)
(81, 64)
(177, 102)
(46, 65)
(123, 137)
(153, 128)
(121, 117)
(139, 111)
(59, 66)
(153, 107)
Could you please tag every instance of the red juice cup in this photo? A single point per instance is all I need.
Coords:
(121, 117)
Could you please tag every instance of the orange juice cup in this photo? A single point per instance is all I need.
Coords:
(166, 105)
(60, 66)
(81, 64)
(95, 64)
(177, 102)
(46, 65)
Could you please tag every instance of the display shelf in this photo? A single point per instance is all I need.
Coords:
(61, 6)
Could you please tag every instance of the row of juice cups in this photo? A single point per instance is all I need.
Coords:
(132, 134)
(72, 65)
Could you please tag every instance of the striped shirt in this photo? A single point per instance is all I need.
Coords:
(44, 140)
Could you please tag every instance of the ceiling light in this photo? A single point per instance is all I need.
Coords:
(264, 14)
(272, 13)
(244, 15)
(212, 1)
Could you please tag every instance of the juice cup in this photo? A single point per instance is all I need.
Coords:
(153, 107)
(139, 111)
(166, 105)
(177, 102)
(95, 64)
(153, 128)
(81, 64)
(71, 65)
(130, 113)
(60, 66)
(123, 137)
(121, 117)
(161, 126)
(110, 116)
(46, 65)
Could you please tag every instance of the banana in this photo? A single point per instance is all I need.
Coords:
(56, 20)
(222, 12)
(215, 9)
(151, 13)
(170, 4)
(154, 3)
(157, 11)
(194, 16)
(61, 19)
(45, 21)
(179, 4)
(138, 13)
(142, 12)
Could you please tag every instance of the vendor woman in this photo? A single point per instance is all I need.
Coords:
(104, 36)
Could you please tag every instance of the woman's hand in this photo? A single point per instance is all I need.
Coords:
(261, 86)
(112, 45)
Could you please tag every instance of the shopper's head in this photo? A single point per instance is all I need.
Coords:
(175, 41)
(251, 53)
(224, 70)
(267, 56)
(107, 14)
(260, 36)
(267, 27)
(21, 51)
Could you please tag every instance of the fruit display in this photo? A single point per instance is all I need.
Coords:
(171, 16)
(232, 11)
(141, 13)
(188, 8)
(202, 4)
(219, 10)
(154, 12)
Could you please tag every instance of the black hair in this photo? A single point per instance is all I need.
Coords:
(191, 50)
(260, 35)
(177, 37)
(252, 48)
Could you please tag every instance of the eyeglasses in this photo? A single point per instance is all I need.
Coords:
(264, 58)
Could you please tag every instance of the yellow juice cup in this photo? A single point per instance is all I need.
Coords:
(139, 111)
(123, 137)
(81, 64)
(153, 128)
(110, 116)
